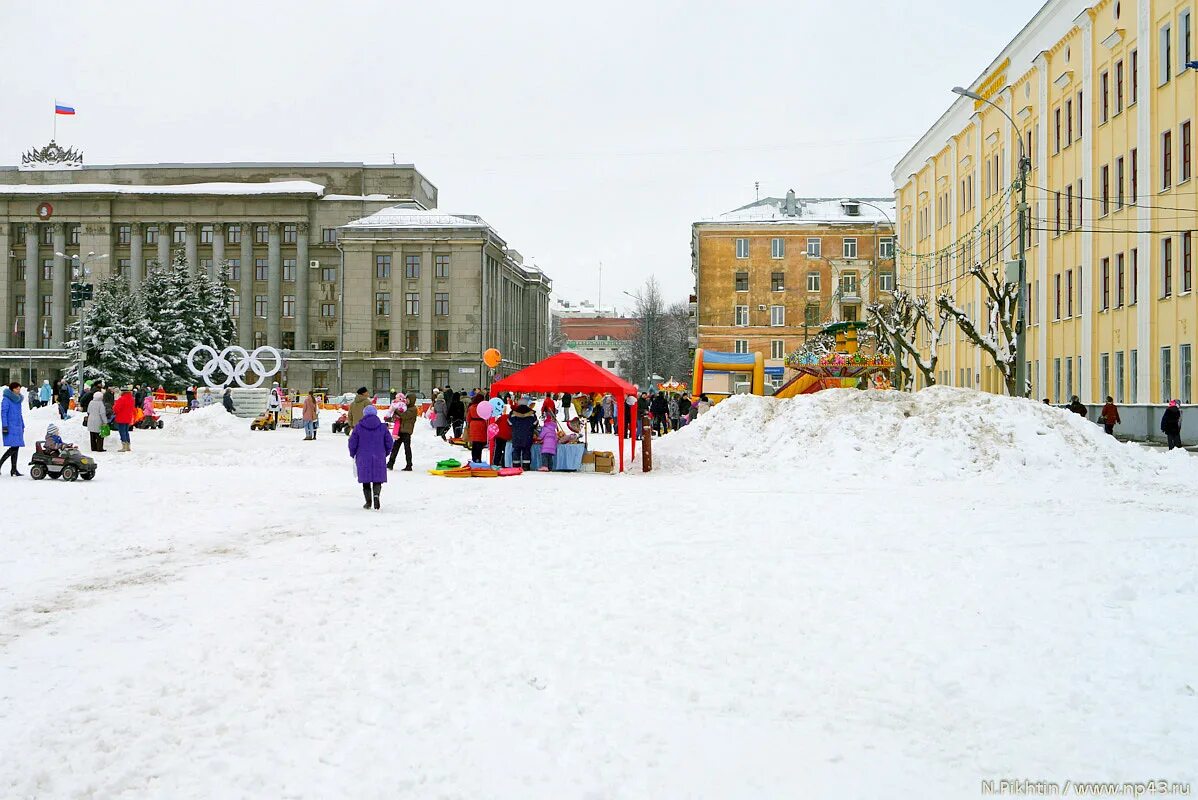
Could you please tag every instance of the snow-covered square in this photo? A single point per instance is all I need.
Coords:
(844, 595)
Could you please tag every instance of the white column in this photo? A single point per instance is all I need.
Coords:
(978, 299)
(164, 242)
(1085, 386)
(274, 288)
(302, 276)
(33, 277)
(246, 328)
(218, 249)
(954, 259)
(1042, 246)
(136, 260)
(1144, 172)
(62, 276)
(191, 246)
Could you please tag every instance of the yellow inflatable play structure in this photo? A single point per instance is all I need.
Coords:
(753, 363)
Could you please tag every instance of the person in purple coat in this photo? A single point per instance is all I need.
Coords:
(369, 445)
(549, 436)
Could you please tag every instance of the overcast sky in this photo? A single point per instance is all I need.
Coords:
(581, 136)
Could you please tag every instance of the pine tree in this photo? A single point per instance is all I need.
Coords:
(166, 313)
(113, 336)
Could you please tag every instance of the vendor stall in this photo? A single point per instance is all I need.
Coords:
(568, 372)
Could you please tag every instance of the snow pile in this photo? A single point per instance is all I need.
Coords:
(937, 433)
(212, 422)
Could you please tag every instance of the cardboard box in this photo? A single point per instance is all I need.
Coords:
(607, 467)
(588, 457)
(605, 462)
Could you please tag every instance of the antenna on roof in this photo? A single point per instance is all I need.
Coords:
(393, 159)
(756, 190)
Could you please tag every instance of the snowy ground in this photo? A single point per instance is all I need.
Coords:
(910, 597)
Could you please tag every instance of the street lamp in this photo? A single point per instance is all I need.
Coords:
(79, 272)
(1025, 166)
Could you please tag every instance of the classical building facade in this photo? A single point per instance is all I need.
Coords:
(769, 274)
(278, 227)
(1103, 105)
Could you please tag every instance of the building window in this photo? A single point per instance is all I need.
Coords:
(740, 316)
(259, 338)
(1068, 122)
(124, 234)
(441, 304)
(441, 341)
(1187, 256)
(777, 316)
(1068, 293)
(885, 281)
(19, 232)
(813, 281)
(381, 381)
(1183, 40)
(1134, 178)
(1056, 131)
(814, 247)
(886, 246)
(1166, 51)
(259, 305)
(740, 345)
(1118, 280)
(1185, 374)
(1105, 187)
(1166, 160)
(235, 307)
(328, 235)
(1166, 375)
(1133, 368)
(741, 281)
(233, 234)
(1167, 267)
(1135, 277)
(412, 304)
(328, 344)
(777, 248)
(382, 340)
(1184, 135)
(178, 234)
(1119, 377)
(47, 304)
(151, 234)
(234, 269)
(742, 248)
(849, 313)
(206, 234)
(441, 266)
(123, 267)
(412, 266)
(1068, 377)
(848, 284)
(1119, 183)
(328, 311)
(328, 274)
(47, 269)
(1081, 110)
(1057, 296)
(1118, 87)
(1104, 369)
(1106, 285)
(382, 266)
(777, 348)
(289, 269)
(850, 248)
(73, 234)
(1069, 207)
(206, 265)
(288, 340)
(290, 233)
(261, 269)
(441, 377)
(288, 305)
(261, 234)
(1104, 82)
(382, 304)
(411, 341)
(777, 281)
(811, 315)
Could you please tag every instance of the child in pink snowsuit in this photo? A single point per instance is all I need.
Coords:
(548, 443)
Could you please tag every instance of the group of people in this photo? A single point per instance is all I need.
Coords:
(1109, 417)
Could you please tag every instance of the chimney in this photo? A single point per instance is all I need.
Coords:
(791, 207)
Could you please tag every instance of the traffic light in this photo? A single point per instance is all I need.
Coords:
(76, 295)
(87, 292)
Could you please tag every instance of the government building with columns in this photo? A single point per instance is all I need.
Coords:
(317, 271)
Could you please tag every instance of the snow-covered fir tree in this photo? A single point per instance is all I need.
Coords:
(118, 340)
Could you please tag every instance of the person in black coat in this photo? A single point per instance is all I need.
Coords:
(524, 425)
(660, 408)
(457, 414)
(1078, 407)
(1171, 424)
(227, 400)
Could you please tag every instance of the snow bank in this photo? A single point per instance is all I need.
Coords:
(937, 433)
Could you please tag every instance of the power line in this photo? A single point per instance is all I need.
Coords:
(1136, 204)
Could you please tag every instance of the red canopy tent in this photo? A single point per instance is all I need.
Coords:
(568, 372)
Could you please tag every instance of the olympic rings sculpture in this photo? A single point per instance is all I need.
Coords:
(233, 362)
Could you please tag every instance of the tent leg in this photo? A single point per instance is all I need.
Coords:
(620, 428)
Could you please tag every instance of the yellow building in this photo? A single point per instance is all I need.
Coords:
(1104, 104)
(768, 275)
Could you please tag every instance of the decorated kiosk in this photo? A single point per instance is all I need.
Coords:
(841, 368)
(568, 372)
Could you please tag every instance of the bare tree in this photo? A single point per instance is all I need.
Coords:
(661, 343)
(999, 336)
(903, 322)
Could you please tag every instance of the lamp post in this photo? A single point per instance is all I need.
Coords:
(647, 345)
(1021, 294)
(79, 271)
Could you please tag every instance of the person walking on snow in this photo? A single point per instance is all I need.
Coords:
(123, 411)
(404, 417)
(12, 425)
(441, 415)
(1110, 416)
(44, 393)
(65, 393)
(369, 444)
(97, 417)
(357, 408)
(476, 429)
(310, 415)
(274, 402)
(226, 399)
(1171, 424)
(1078, 407)
(524, 423)
(660, 410)
(457, 413)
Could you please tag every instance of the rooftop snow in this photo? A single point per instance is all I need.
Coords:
(407, 217)
(277, 187)
(811, 211)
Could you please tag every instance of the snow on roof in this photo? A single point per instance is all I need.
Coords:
(231, 188)
(360, 197)
(810, 211)
(405, 216)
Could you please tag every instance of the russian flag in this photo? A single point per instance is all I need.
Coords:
(61, 109)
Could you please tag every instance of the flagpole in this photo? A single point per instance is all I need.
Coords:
(54, 136)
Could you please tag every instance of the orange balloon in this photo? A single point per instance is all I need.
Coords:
(492, 358)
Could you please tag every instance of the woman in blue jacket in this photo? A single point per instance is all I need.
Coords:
(13, 424)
